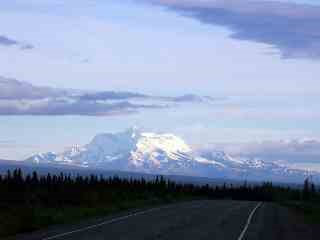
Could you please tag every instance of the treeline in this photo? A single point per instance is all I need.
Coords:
(29, 202)
(62, 190)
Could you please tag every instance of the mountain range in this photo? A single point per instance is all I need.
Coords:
(167, 154)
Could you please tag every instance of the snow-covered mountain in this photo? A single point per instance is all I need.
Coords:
(129, 150)
(133, 150)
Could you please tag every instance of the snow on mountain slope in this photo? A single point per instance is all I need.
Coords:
(159, 149)
(129, 149)
(133, 150)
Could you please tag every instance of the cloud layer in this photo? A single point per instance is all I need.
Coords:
(291, 28)
(11, 89)
(68, 107)
(291, 151)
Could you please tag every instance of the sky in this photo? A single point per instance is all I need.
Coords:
(264, 57)
(146, 46)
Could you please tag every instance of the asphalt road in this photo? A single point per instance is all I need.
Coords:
(198, 220)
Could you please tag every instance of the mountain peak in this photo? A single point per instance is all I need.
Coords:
(134, 150)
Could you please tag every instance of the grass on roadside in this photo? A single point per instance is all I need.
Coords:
(310, 211)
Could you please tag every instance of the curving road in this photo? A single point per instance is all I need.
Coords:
(198, 220)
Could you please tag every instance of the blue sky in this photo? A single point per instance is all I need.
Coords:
(137, 46)
(270, 72)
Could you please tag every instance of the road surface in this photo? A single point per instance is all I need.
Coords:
(198, 220)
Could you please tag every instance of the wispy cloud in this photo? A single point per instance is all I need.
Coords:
(7, 42)
(290, 151)
(292, 28)
(69, 107)
(26, 46)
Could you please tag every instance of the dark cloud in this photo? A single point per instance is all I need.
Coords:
(292, 28)
(6, 41)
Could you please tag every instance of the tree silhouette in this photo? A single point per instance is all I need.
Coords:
(32, 194)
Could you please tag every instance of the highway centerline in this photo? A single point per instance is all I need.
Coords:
(118, 219)
(249, 221)
(114, 220)
(139, 213)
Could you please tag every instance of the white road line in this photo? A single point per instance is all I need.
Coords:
(114, 220)
(102, 223)
(249, 221)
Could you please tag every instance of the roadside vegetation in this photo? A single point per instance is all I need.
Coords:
(31, 202)
(308, 206)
